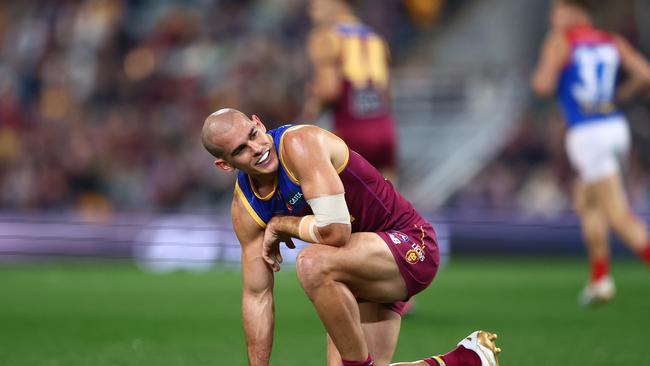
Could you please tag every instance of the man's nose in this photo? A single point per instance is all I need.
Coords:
(257, 148)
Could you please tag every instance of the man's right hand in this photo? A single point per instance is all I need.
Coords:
(271, 246)
(257, 295)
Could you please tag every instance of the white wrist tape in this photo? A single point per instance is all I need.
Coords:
(330, 209)
(307, 229)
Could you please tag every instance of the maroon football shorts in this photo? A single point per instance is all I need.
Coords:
(415, 250)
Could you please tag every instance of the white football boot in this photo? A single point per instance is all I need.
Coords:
(597, 292)
(482, 343)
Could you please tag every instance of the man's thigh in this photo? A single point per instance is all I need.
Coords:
(365, 265)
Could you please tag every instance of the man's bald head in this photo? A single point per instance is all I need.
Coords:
(217, 124)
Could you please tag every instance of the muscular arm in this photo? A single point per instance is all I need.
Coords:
(312, 153)
(636, 65)
(257, 294)
(545, 77)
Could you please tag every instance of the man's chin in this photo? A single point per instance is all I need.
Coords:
(272, 168)
(261, 170)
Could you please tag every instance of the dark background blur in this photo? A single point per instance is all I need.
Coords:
(102, 101)
(103, 180)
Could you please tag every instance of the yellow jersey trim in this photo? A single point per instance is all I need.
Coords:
(248, 206)
(289, 172)
(439, 360)
(268, 196)
(345, 162)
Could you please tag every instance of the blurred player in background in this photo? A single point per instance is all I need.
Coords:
(581, 63)
(371, 251)
(351, 76)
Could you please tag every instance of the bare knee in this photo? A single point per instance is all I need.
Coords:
(312, 268)
(618, 222)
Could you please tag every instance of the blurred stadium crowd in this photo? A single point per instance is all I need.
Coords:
(101, 101)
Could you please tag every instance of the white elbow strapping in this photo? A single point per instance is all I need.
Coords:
(309, 233)
(330, 209)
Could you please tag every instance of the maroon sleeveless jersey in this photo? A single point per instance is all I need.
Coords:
(376, 206)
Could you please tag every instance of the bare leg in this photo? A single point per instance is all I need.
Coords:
(378, 335)
(477, 349)
(333, 356)
(334, 302)
(333, 277)
(381, 328)
(595, 231)
(613, 202)
(593, 223)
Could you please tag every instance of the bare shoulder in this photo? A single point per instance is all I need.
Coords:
(302, 140)
(310, 143)
(308, 137)
(555, 49)
(556, 39)
(323, 44)
(305, 132)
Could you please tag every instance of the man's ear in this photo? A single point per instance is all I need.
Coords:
(223, 165)
(259, 123)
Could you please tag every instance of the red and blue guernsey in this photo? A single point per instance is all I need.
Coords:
(588, 80)
(374, 206)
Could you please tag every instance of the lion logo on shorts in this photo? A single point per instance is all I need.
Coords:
(412, 256)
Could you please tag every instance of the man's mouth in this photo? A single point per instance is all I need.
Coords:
(263, 158)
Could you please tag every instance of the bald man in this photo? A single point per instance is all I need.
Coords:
(371, 250)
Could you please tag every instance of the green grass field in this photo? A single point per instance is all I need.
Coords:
(113, 314)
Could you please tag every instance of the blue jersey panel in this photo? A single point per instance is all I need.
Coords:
(588, 82)
(287, 197)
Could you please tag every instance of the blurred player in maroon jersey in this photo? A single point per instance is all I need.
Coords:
(580, 63)
(351, 76)
(370, 250)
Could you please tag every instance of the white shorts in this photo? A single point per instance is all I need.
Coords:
(595, 148)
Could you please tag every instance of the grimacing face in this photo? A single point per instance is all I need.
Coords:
(248, 148)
